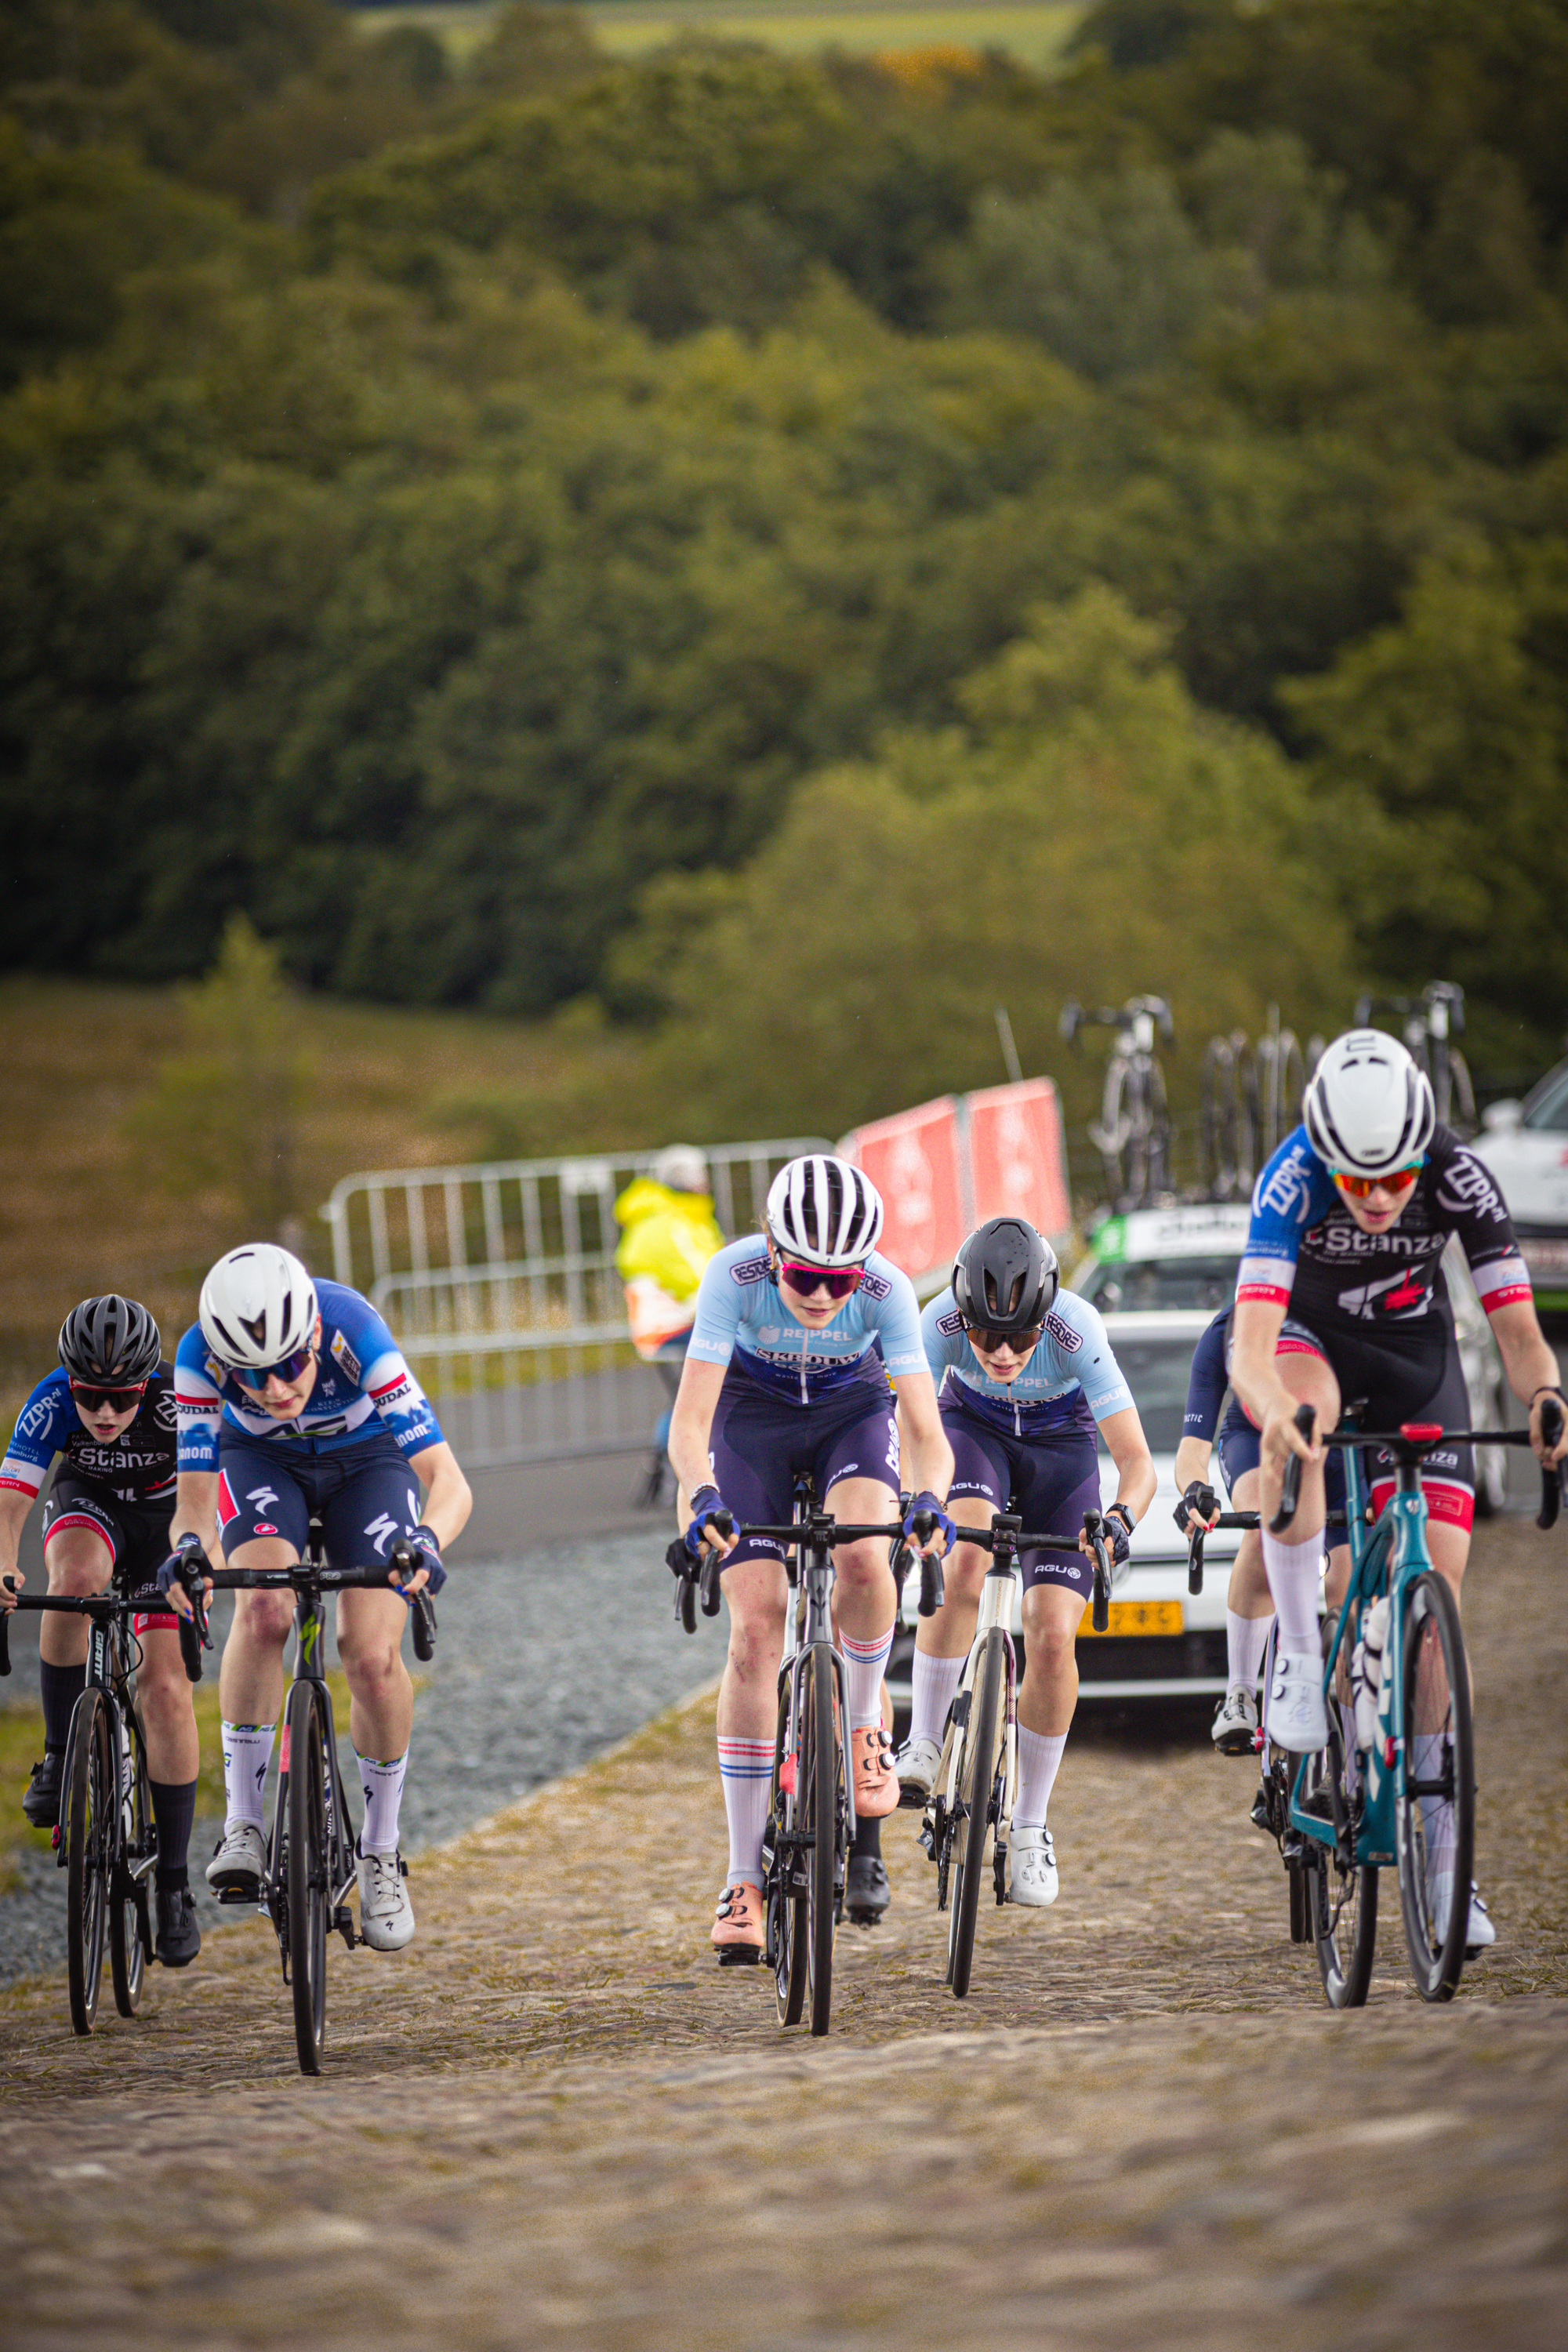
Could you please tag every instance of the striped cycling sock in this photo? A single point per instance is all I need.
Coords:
(865, 1661)
(745, 1773)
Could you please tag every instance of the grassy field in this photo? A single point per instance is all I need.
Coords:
(1032, 31)
(90, 1202)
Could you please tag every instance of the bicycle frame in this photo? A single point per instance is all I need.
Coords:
(310, 1626)
(995, 1612)
(811, 1576)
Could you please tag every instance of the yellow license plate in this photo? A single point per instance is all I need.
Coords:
(1138, 1617)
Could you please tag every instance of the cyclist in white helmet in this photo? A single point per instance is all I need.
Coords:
(799, 1331)
(294, 1397)
(1342, 1298)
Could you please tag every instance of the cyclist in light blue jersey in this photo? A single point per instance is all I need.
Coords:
(294, 1397)
(1027, 1377)
(799, 1332)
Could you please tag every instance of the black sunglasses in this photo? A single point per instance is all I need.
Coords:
(99, 1400)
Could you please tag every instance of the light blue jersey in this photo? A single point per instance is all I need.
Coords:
(1071, 1364)
(741, 1316)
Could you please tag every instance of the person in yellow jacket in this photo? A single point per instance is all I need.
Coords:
(668, 1233)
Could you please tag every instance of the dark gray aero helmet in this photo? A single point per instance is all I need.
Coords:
(1005, 1277)
(111, 1340)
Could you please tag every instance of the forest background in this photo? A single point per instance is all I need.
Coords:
(718, 569)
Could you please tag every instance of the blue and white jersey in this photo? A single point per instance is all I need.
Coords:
(362, 1384)
(1071, 1366)
(739, 1315)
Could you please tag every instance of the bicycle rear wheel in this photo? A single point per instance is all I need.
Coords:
(91, 1801)
(976, 1790)
(310, 1893)
(1435, 1823)
(127, 1952)
(821, 1792)
(1342, 1904)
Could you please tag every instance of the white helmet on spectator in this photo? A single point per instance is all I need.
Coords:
(682, 1167)
(824, 1210)
(258, 1308)
(1368, 1108)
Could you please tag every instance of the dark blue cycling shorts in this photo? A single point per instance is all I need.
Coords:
(760, 1441)
(366, 1496)
(1050, 1481)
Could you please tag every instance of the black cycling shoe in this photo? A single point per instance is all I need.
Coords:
(41, 1800)
(179, 1936)
(867, 1893)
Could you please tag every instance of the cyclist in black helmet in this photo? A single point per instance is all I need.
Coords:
(1027, 1380)
(109, 1414)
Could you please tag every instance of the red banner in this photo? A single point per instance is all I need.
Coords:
(913, 1161)
(1018, 1164)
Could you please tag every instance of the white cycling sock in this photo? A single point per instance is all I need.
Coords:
(1039, 1760)
(1293, 1571)
(247, 1752)
(934, 1680)
(1244, 1640)
(382, 1786)
(745, 1774)
(865, 1662)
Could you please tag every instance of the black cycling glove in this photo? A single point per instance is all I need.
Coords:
(1199, 1500)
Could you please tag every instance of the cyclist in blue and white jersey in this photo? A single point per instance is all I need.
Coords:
(1027, 1378)
(799, 1331)
(1341, 1297)
(1249, 1605)
(108, 1412)
(294, 1397)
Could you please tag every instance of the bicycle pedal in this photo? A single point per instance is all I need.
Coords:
(927, 1838)
(740, 1955)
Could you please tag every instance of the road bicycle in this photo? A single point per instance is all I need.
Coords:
(311, 1863)
(1132, 1134)
(105, 1841)
(1250, 1099)
(1356, 1810)
(1432, 1021)
(975, 1784)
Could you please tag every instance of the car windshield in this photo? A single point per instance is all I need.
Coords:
(1155, 1282)
(1156, 1370)
(1548, 1108)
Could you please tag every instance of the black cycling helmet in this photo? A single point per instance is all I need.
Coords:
(1005, 1277)
(111, 1340)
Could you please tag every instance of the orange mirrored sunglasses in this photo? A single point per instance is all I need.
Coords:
(1359, 1187)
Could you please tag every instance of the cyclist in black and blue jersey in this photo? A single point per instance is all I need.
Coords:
(109, 1414)
(1342, 1298)
(1249, 1607)
(294, 1397)
(1028, 1382)
(783, 1374)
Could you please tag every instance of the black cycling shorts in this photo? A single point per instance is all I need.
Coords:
(1386, 1383)
(137, 1538)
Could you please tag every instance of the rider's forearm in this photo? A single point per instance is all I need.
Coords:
(927, 1462)
(1527, 1359)
(1253, 1373)
(690, 1440)
(1192, 1462)
(448, 1499)
(14, 1510)
(196, 1511)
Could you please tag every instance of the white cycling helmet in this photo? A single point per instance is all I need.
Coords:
(1368, 1108)
(257, 1307)
(823, 1210)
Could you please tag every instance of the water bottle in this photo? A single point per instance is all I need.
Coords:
(1366, 1672)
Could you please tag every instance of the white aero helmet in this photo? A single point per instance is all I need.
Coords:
(257, 1307)
(823, 1210)
(682, 1167)
(1368, 1106)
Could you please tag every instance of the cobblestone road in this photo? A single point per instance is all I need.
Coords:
(552, 2122)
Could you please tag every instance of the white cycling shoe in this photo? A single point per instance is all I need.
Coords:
(1235, 1722)
(1298, 1719)
(386, 1913)
(1032, 1875)
(1480, 1933)
(235, 1872)
(915, 1765)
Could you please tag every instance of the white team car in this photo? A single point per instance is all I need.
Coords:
(1525, 1145)
(1162, 1644)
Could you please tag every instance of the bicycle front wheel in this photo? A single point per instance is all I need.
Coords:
(1435, 1804)
(786, 1901)
(310, 1893)
(976, 1790)
(92, 1800)
(127, 1951)
(821, 1811)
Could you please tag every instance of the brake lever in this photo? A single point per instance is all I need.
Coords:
(11, 1586)
(1195, 1555)
(1305, 1418)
